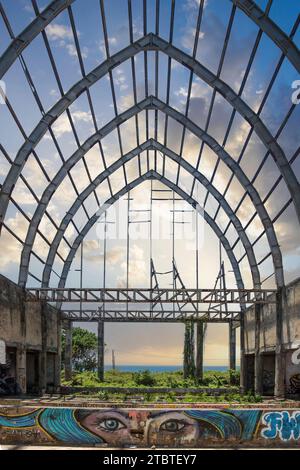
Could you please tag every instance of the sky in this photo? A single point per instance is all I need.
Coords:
(162, 343)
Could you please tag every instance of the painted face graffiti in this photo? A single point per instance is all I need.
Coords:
(282, 424)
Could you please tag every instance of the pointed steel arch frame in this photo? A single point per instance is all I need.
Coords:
(249, 7)
(19, 44)
(271, 29)
(151, 144)
(148, 175)
(151, 42)
(153, 103)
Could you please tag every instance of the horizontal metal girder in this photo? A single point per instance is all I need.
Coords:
(144, 295)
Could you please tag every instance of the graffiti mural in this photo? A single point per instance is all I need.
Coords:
(8, 384)
(133, 427)
(127, 427)
(282, 424)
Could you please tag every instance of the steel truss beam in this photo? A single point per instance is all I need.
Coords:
(141, 295)
(98, 214)
(151, 144)
(153, 103)
(270, 28)
(151, 42)
(149, 316)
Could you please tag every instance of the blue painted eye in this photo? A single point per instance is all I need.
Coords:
(111, 424)
(173, 425)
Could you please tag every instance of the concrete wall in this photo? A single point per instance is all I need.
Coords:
(29, 328)
(267, 337)
(147, 427)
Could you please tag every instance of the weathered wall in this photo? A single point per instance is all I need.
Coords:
(291, 322)
(291, 338)
(151, 427)
(28, 326)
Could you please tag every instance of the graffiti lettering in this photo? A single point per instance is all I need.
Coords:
(281, 424)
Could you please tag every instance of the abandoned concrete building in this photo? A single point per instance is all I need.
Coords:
(179, 106)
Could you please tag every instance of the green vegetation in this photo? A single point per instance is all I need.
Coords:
(84, 348)
(145, 379)
(211, 379)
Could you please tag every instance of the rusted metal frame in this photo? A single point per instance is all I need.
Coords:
(18, 45)
(269, 88)
(61, 90)
(214, 93)
(196, 40)
(241, 89)
(171, 32)
(97, 181)
(140, 295)
(111, 80)
(153, 175)
(39, 104)
(157, 9)
(190, 126)
(133, 72)
(82, 69)
(279, 37)
(114, 166)
(169, 50)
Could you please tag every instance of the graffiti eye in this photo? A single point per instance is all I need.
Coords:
(173, 425)
(111, 425)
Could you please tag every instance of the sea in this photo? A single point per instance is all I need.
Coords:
(155, 368)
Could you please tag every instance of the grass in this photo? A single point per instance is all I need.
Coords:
(145, 379)
(211, 379)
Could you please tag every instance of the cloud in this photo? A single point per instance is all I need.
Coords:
(63, 36)
(138, 270)
(57, 31)
(62, 124)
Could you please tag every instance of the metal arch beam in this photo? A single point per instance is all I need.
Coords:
(151, 144)
(271, 29)
(150, 42)
(20, 43)
(150, 175)
(276, 34)
(154, 103)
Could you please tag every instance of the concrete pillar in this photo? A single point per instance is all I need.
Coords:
(258, 363)
(279, 390)
(199, 350)
(242, 353)
(68, 351)
(101, 350)
(43, 354)
(21, 368)
(57, 370)
(232, 347)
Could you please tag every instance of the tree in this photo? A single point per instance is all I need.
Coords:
(189, 352)
(84, 349)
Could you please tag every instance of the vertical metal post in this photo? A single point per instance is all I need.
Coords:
(242, 353)
(68, 350)
(128, 242)
(279, 390)
(258, 372)
(232, 347)
(100, 336)
(200, 350)
(101, 350)
(113, 359)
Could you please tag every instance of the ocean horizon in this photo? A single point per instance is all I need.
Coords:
(156, 368)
